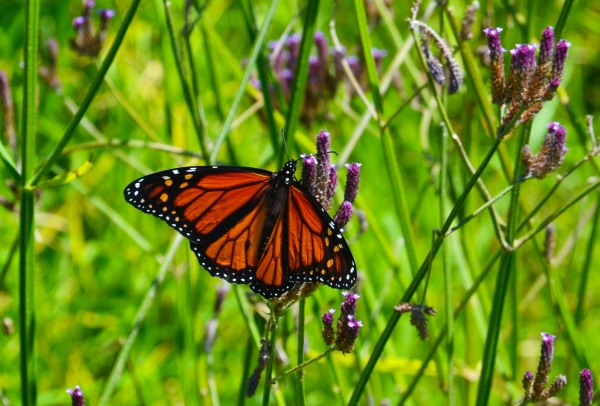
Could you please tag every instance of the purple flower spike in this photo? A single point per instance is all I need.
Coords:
(546, 46)
(527, 383)
(78, 22)
(76, 396)
(333, 180)
(352, 180)
(586, 387)
(328, 318)
(293, 43)
(328, 331)
(349, 303)
(548, 339)
(323, 145)
(523, 57)
(560, 57)
(90, 4)
(309, 171)
(106, 14)
(494, 44)
(378, 55)
(343, 215)
(353, 327)
(322, 48)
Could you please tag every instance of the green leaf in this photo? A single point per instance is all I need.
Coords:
(67, 177)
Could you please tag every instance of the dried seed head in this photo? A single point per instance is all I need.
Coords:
(466, 32)
(435, 67)
(552, 152)
(418, 319)
(263, 360)
(554, 388)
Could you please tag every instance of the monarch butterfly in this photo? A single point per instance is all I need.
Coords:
(249, 226)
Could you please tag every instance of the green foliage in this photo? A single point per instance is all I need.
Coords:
(123, 309)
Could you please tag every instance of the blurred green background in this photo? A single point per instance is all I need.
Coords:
(97, 256)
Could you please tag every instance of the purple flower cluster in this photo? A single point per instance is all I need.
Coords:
(76, 396)
(347, 326)
(530, 82)
(325, 72)
(586, 388)
(87, 41)
(320, 177)
(551, 155)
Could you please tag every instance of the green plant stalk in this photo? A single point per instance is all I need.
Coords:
(447, 273)
(444, 330)
(562, 18)
(272, 344)
(561, 179)
(258, 45)
(505, 273)
(9, 258)
(246, 371)
(89, 96)
(442, 110)
(542, 226)
(27, 212)
(300, 396)
(387, 144)
(562, 312)
(118, 143)
(474, 75)
(115, 373)
(191, 101)
(262, 65)
(583, 279)
(300, 74)
(122, 100)
(412, 288)
(9, 164)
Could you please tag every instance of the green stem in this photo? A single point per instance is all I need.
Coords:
(542, 226)
(301, 74)
(272, 324)
(438, 341)
(562, 18)
(190, 99)
(300, 367)
(386, 334)
(505, 274)
(258, 45)
(117, 369)
(27, 213)
(583, 279)
(262, 66)
(300, 397)
(447, 272)
(91, 92)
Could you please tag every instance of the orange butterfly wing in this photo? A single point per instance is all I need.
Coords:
(317, 250)
(219, 209)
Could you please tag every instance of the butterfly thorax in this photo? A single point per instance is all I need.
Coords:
(276, 198)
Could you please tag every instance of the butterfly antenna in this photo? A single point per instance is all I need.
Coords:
(285, 145)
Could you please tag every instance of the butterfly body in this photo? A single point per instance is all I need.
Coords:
(249, 226)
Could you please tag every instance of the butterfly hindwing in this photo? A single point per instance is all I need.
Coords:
(318, 251)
